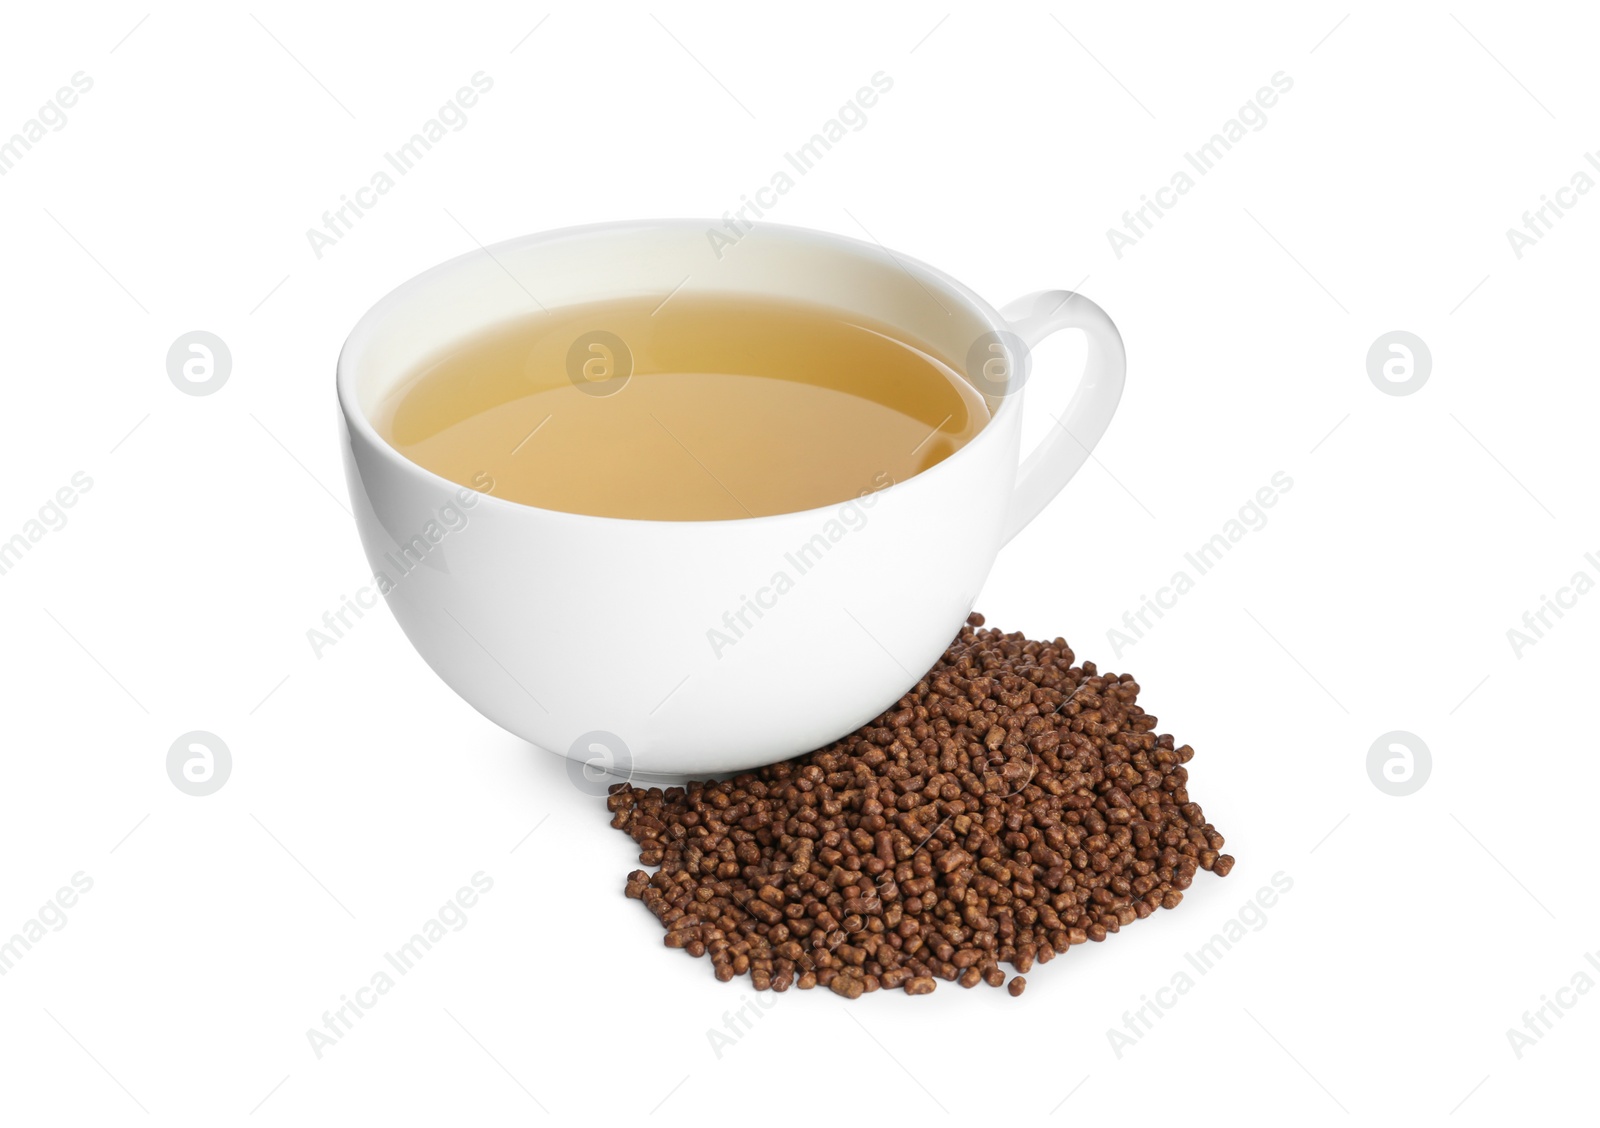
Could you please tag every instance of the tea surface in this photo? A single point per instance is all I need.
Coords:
(698, 408)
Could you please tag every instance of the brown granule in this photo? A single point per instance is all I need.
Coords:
(1009, 806)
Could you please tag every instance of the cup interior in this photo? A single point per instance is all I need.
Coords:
(431, 314)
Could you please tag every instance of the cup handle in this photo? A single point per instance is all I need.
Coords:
(1055, 460)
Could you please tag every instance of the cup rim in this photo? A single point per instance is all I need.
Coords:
(367, 326)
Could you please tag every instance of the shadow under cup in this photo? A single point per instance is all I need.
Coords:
(677, 646)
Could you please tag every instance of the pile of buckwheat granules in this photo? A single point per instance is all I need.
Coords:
(1010, 806)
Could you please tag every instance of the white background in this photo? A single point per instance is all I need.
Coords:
(1377, 597)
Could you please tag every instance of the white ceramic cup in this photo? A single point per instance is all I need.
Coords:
(675, 647)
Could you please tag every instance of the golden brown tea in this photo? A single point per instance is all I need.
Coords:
(699, 408)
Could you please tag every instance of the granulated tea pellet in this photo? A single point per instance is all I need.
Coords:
(1010, 806)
